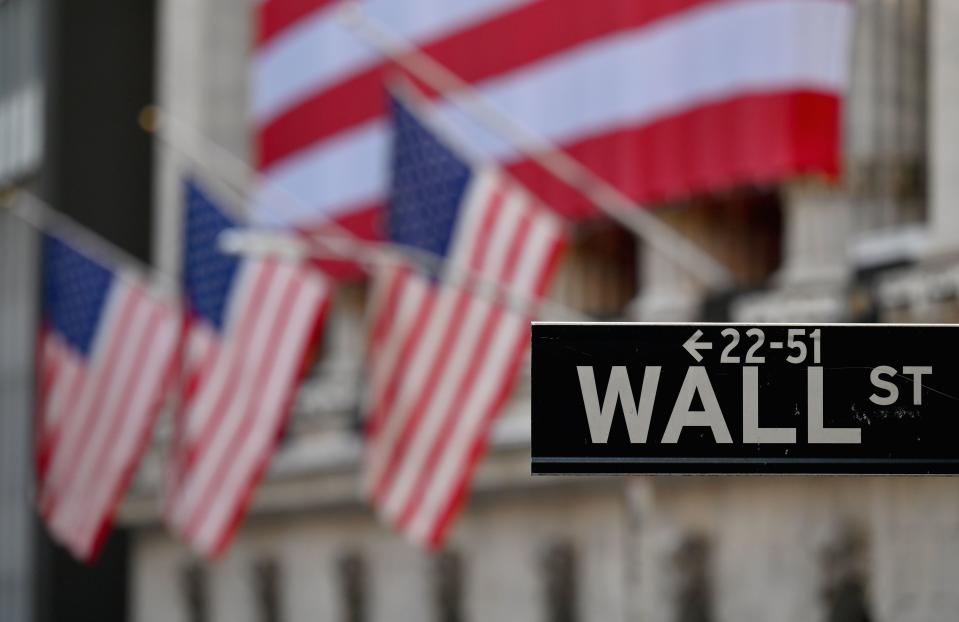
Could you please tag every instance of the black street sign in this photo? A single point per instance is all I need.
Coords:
(736, 398)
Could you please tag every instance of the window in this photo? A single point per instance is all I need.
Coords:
(597, 274)
(886, 114)
(21, 88)
(693, 592)
(193, 588)
(844, 585)
(266, 580)
(448, 587)
(353, 588)
(560, 588)
(741, 228)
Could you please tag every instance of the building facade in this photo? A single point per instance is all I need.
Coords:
(882, 246)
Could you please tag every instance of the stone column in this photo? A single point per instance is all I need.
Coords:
(667, 293)
(816, 232)
(811, 284)
(943, 206)
(179, 76)
(18, 312)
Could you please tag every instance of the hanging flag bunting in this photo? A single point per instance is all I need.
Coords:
(663, 99)
(251, 328)
(443, 359)
(107, 353)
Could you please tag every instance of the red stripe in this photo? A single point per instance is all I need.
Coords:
(141, 444)
(362, 222)
(451, 420)
(453, 415)
(491, 212)
(464, 298)
(310, 344)
(751, 139)
(199, 371)
(399, 278)
(238, 357)
(99, 475)
(760, 139)
(77, 429)
(192, 375)
(275, 16)
(213, 491)
(381, 408)
(50, 363)
(476, 451)
(396, 451)
(478, 448)
(110, 421)
(386, 313)
(50, 437)
(42, 428)
(533, 32)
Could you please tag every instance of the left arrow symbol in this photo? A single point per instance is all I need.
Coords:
(693, 346)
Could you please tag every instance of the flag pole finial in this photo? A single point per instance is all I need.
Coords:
(149, 118)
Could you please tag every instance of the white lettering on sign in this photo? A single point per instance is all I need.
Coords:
(817, 431)
(752, 433)
(618, 390)
(892, 391)
(696, 382)
(877, 377)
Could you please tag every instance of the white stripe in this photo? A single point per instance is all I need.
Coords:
(81, 482)
(424, 437)
(454, 456)
(345, 171)
(320, 50)
(80, 413)
(628, 79)
(498, 242)
(199, 342)
(217, 451)
(540, 240)
(68, 368)
(379, 291)
(425, 356)
(160, 349)
(51, 354)
(439, 486)
(412, 378)
(411, 297)
(479, 194)
(454, 370)
(296, 324)
(500, 237)
(201, 408)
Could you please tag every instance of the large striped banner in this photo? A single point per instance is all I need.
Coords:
(663, 98)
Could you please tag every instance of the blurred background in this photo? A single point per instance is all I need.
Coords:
(877, 242)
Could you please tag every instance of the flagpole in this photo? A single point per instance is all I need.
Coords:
(664, 239)
(38, 214)
(336, 242)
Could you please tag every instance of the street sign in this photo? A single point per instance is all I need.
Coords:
(740, 398)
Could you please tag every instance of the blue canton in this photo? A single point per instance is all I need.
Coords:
(208, 274)
(74, 291)
(427, 186)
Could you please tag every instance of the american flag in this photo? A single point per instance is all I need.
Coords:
(443, 359)
(107, 350)
(662, 98)
(249, 336)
